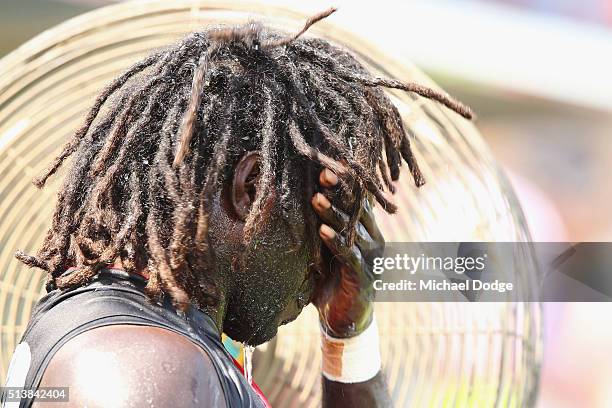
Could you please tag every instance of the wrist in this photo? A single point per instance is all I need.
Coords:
(342, 323)
(354, 359)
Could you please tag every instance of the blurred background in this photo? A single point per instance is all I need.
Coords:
(537, 72)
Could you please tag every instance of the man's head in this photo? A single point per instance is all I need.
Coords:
(198, 164)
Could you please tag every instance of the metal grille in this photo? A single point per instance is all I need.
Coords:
(434, 354)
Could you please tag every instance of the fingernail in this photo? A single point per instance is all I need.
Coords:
(322, 201)
(331, 177)
(326, 232)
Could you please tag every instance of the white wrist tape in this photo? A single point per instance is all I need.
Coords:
(352, 360)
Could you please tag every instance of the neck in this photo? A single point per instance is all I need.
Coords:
(216, 313)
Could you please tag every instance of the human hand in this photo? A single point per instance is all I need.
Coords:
(344, 297)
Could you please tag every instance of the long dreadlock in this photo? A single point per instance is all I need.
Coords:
(147, 168)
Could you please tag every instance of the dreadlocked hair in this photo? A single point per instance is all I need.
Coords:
(146, 168)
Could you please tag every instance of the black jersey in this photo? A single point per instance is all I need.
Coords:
(116, 297)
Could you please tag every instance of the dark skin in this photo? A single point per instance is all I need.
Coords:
(280, 285)
(344, 301)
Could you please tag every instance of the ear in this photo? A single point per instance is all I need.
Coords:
(243, 184)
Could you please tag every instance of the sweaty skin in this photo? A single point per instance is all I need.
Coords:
(138, 366)
(269, 289)
(344, 301)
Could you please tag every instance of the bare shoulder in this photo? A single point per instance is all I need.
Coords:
(134, 366)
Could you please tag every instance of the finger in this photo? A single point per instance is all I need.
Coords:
(339, 221)
(364, 240)
(328, 178)
(351, 257)
(368, 220)
(337, 245)
(330, 214)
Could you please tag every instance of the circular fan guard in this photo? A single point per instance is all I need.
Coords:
(450, 354)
